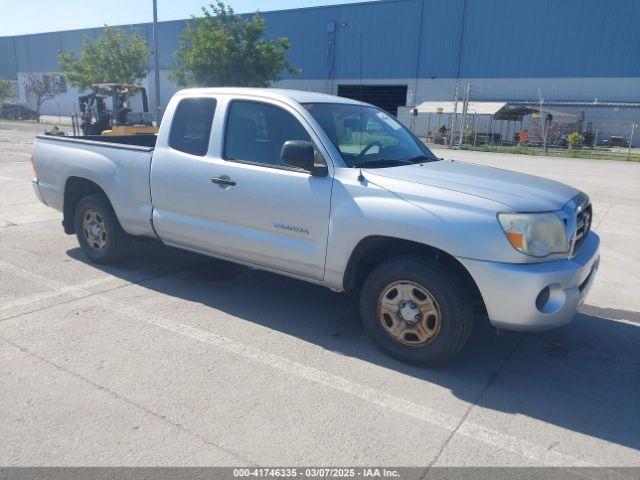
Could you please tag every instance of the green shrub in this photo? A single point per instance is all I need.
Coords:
(575, 140)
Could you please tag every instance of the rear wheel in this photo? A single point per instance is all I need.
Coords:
(416, 310)
(98, 231)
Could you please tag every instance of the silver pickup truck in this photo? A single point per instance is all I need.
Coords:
(335, 192)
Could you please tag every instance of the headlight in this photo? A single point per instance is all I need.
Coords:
(536, 234)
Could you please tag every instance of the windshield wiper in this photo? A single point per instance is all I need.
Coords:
(380, 162)
(420, 158)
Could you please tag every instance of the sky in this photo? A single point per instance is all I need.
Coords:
(36, 16)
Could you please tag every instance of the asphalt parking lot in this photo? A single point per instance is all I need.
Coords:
(175, 359)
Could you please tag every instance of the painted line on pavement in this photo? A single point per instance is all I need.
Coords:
(12, 179)
(77, 291)
(387, 401)
(614, 314)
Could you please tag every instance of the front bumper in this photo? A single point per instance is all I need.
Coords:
(536, 296)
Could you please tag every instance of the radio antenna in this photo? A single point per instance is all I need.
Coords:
(361, 94)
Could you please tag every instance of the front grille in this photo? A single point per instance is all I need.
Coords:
(583, 225)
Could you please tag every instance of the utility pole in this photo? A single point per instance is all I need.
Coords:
(156, 63)
(543, 123)
(465, 108)
(633, 130)
(454, 119)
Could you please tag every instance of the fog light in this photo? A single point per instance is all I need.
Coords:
(550, 299)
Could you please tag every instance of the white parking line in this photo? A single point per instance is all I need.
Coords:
(11, 179)
(34, 277)
(76, 291)
(390, 402)
(480, 433)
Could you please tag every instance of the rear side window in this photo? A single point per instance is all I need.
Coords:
(256, 132)
(191, 125)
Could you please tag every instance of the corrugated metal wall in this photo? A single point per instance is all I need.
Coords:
(405, 39)
(551, 38)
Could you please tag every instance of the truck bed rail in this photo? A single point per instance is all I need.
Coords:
(145, 143)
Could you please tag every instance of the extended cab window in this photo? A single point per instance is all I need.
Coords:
(191, 125)
(256, 132)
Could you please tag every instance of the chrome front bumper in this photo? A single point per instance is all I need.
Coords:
(536, 296)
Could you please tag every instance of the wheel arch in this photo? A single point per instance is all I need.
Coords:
(375, 249)
(75, 189)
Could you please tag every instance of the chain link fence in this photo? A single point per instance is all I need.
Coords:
(556, 128)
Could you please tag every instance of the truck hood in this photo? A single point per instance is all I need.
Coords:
(519, 191)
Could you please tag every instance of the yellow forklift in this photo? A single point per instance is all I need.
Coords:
(115, 109)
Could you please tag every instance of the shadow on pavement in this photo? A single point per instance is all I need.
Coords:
(584, 377)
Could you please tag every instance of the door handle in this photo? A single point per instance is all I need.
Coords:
(223, 181)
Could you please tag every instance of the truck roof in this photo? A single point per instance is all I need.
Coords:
(300, 96)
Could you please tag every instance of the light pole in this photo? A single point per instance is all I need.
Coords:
(156, 63)
(633, 130)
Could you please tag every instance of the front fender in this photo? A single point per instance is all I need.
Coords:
(458, 224)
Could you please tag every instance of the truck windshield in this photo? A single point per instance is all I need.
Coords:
(368, 137)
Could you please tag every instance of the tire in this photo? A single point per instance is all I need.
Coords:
(107, 243)
(427, 320)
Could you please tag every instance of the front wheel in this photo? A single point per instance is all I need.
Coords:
(416, 310)
(98, 231)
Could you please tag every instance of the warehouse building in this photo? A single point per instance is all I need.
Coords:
(581, 56)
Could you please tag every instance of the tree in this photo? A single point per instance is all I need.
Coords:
(5, 89)
(41, 87)
(114, 57)
(222, 48)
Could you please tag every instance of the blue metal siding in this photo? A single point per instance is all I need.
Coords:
(21, 54)
(389, 33)
(458, 39)
(72, 40)
(7, 59)
(550, 38)
(307, 33)
(43, 51)
(440, 38)
(168, 40)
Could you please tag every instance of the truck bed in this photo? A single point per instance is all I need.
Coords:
(118, 165)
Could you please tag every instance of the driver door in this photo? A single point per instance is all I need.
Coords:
(237, 200)
(270, 214)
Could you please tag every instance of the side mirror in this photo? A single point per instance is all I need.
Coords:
(301, 154)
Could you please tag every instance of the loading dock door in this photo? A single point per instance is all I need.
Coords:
(387, 97)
